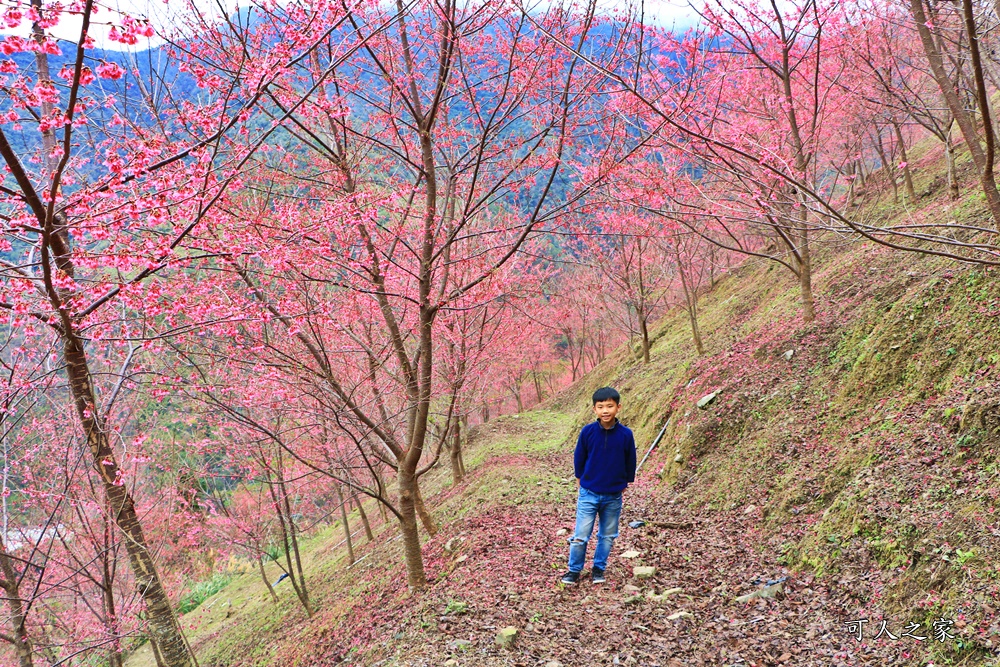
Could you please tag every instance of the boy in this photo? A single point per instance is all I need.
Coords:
(605, 464)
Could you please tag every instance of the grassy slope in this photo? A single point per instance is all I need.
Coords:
(868, 458)
(241, 626)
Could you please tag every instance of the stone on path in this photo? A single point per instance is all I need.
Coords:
(561, 532)
(629, 588)
(680, 614)
(643, 571)
(665, 595)
(553, 663)
(774, 592)
(507, 637)
(706, 400)
(788, 355)
(630, 554)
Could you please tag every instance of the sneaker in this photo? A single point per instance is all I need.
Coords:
(570, 578)
(597, 576)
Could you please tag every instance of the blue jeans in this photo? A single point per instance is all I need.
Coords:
(590, 506)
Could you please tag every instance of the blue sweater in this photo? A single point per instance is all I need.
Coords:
(605, 457)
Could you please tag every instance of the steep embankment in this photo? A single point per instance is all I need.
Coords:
(861, 466)
(860, 447)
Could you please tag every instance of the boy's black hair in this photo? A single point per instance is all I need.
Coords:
(607, 394)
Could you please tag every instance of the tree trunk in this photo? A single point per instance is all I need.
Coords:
(949, 156)
(691, 299)
(907, 174)
(18, 613)
(290, 544)
(965, 121)
(263, 575)
(110, 613)
(425, 516)
(384, 514)
(162, 623)
(644, 329)
(886, 166)
(157, 656)
(415, 577)
(347, 526)
(364, 517)
(805, 270)
(457, 473)
(696, 331)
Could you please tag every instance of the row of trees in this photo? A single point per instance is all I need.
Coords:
(235, 313)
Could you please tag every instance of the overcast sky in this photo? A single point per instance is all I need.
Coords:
(164, 16)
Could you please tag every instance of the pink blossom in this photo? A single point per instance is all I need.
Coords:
(110, 71)
(13, 45)
(12, 17)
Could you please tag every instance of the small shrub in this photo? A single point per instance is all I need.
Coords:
(201, 591)
(456, 607)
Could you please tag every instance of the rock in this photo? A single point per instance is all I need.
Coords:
(451, 662)
(629, 588)
(507, 637)
(460, 644)
(553, 663)
(706, 400)
(461, 559)
(449, 546)
(773, 592)
(678, 459)
(561, 532)
(788, 355)
(680, 614)
(630, 554)
(750, 509)
(633, 599)
(643, 571)
(665, 595)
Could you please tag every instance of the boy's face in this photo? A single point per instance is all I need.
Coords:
(606, 411)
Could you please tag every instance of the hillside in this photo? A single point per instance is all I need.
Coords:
(861, 466)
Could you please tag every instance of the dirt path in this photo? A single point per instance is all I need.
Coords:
(505, 571)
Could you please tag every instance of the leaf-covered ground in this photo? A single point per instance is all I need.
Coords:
(500, 567)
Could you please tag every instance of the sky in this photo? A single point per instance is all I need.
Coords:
(165, 16)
